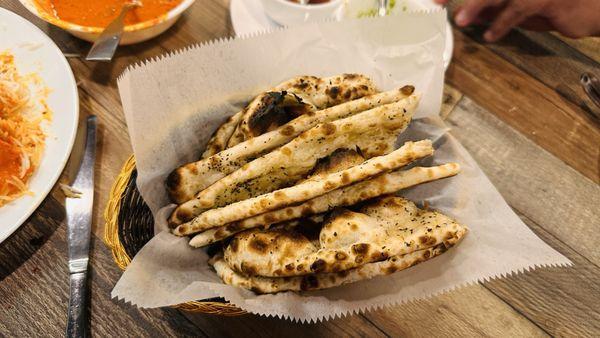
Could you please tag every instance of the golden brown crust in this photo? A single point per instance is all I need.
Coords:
(384, 184)
(312, 91)
(196, 176)
(386, 227)
(318, 281)
(306, 190)
(287, 165)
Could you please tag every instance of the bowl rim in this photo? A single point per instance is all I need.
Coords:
(292, 4)
(173, 13)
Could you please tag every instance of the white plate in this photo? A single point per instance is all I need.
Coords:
(248, 16)
(35, 52)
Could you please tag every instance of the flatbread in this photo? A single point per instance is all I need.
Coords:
(330, 91)
(317, 92)
(385, 227)
(262, 285)
(384, 184)
(218, 141)
(306, 190)
(270, 111)
(339, 160)
(185, 182)
(352, 87)
(374, 131)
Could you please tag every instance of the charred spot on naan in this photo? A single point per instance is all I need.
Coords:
(173, 184)
(328, 128)
(247, 269)
(318, 265)
(287, 130)
(378, 256)
(258, 245)
(274, 110)
(308, 227)
(407, 90)
(303, 82)
(340, 256)
(263, 245)
(309, 282)
(360, 248)
(338, 160)
(333, 92)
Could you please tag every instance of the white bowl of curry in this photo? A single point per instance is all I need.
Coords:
(86, 19)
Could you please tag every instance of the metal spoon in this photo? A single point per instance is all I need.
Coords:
(383, 6)
(105, 46)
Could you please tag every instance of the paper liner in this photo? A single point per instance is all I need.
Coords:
(173, 104)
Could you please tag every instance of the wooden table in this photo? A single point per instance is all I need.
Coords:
(517, 106)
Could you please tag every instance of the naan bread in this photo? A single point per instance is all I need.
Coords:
(218, 141)
(317, 92)
(273, 109)
(262, 285)
(311, 188)
(385, 227)
(373, 131)
(339, 160)
(185, 182)
(329, 91)
(384, 184)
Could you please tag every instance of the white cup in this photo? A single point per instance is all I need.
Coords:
(289, 13)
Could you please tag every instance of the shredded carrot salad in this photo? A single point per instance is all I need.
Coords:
(22, 111)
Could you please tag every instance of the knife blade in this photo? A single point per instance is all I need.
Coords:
(76, 157)
(591, 85)
(79, 225)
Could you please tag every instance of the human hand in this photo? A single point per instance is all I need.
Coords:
(573, 18)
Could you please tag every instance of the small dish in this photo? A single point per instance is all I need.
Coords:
(133, 33)
(289, 13)
(248, 17)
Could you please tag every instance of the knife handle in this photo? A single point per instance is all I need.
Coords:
(77, 305)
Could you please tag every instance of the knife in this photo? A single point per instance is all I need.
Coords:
(79, 224)
(591, 85)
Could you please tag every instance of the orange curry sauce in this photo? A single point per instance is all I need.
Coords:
(99, 13)
(10, 165)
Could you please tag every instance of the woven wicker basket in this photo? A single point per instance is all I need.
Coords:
(129, 225)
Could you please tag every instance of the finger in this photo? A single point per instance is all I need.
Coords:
(511, 16)
(441, 2)
(487, 15)
(471, 9)
(537, 23)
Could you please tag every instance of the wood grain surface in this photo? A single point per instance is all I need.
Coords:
(516, 106)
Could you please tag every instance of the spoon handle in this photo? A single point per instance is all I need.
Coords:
(105, 46)
(383, 7)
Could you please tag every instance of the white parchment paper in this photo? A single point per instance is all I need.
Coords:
(174, 103)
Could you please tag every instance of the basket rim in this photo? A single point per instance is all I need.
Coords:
(122, 259)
